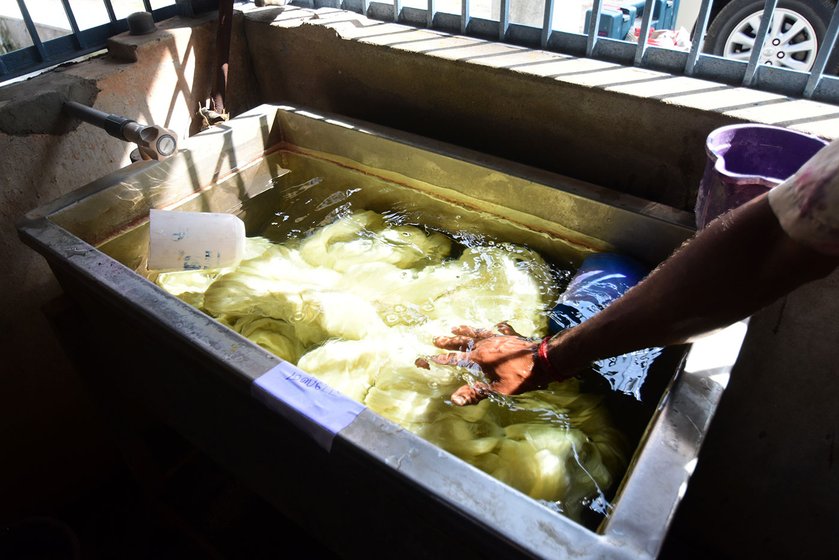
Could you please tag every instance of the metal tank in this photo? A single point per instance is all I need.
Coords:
(362, 484)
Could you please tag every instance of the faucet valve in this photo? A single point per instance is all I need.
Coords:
(155, 142)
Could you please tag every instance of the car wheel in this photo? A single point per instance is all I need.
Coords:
(795, 33)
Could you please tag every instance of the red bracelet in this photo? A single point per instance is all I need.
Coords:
(545, 362)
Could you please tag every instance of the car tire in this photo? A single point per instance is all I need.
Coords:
(813, 16)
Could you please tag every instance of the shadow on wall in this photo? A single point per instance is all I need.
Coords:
(51, 420)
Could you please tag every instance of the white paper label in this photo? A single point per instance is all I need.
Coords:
(310, 404)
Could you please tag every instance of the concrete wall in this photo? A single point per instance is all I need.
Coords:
(53, 444)
(411, 84)
(633, 130)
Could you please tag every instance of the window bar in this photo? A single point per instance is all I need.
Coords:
(110, 9)
(33, 33)
(71, 18)
(432, 9)
(397, 7)
(365, 5)
(817, 72)
(503, 19)
(593, 26)
(641, 49)
(547, 26)
(760, 40)
(147, 5)
(464, 17)
(698, 37)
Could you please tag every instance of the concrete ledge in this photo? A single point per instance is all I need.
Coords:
(128, 48)
(30, 108)
(633, 130)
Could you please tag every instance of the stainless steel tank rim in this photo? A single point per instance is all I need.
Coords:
(646, 501)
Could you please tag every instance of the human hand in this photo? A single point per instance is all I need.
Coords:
(507, 359)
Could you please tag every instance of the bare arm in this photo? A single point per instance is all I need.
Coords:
(737, 265)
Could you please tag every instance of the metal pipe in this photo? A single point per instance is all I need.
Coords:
(155, 142)
(225, 28)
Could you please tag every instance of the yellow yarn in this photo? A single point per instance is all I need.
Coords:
(356, 303)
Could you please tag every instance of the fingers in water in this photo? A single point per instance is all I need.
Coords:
(461, 343)
(464, 396)
(464, 338)
(452, 359)
(505, 329)
(472, 332)
(474, 394)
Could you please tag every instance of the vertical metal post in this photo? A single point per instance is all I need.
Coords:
(71, 18)
(825, 49)
(110, 9)
(644, 33)
(503, 19)
(185, 8)
(547, 25)
(147, 5)
(223, 32)
(760, 40)
(464, 17)
(432, 9)
(33, 33)
(365, 5)
(699, 36)
(593, 26)
(397, 8)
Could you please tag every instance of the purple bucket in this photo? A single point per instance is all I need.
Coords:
(745, 161)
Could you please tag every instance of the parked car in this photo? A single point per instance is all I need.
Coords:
(796, 31)
(795, 34)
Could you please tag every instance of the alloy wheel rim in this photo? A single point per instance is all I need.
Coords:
(790, 43)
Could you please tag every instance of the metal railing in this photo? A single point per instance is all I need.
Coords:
(815, 84)
(75, 41)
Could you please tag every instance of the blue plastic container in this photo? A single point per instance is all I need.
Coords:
(615, 21)
(601, 279)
